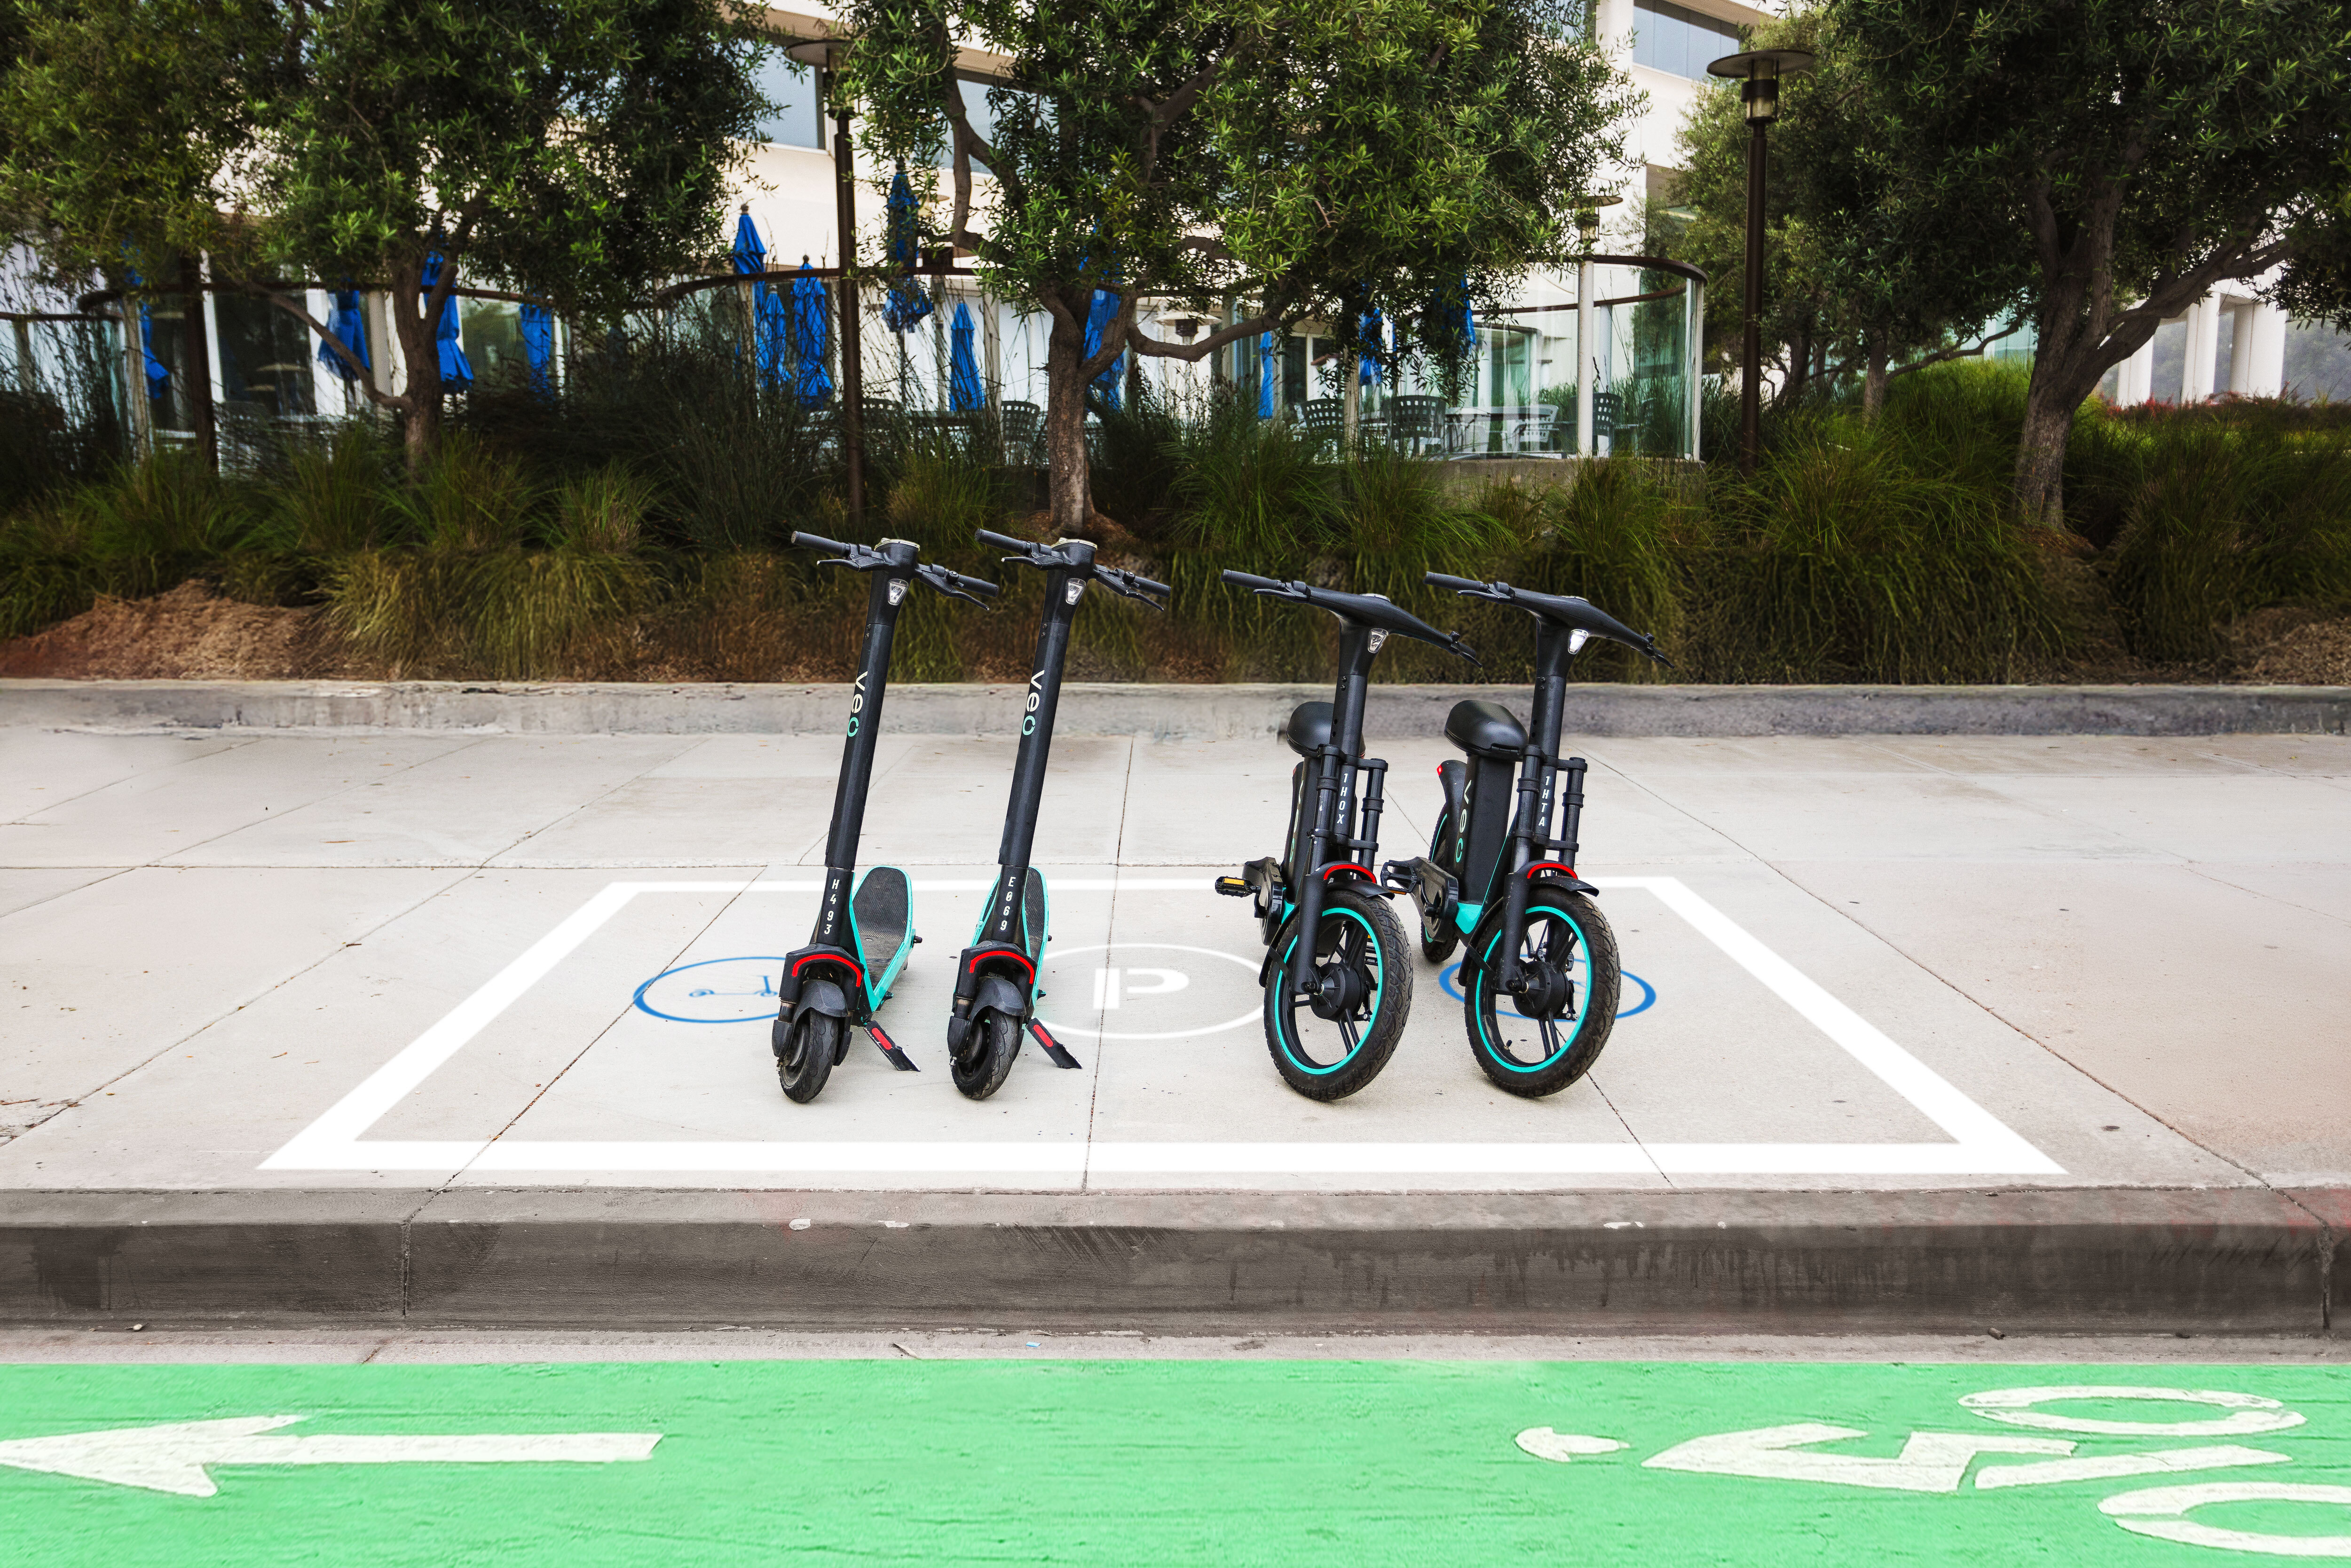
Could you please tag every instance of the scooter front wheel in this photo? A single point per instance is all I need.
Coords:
(1544, 1036)
(806, 1061)
(1330, 1043)
(980, 1068)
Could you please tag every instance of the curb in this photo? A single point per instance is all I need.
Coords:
(2232, 1260)
(1162, 711)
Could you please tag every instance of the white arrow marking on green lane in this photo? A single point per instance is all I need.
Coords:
(2051, 1471)
(1929, 1462)
(1563, 1446)
(171, 1458)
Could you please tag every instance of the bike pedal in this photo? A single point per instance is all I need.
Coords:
(1232, 887)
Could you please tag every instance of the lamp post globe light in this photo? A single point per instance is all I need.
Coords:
(1759, 72)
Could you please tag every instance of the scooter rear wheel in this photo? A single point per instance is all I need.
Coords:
(1328, 1049)
(1438, 935)
(806, 1061)
(980, 1068)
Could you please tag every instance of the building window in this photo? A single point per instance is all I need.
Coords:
(1667, 37)
(796, 119)
(265, 356)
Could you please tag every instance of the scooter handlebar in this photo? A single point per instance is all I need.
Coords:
(1133, 585)
(818, 541)
(1245, 579)
(1006, 541)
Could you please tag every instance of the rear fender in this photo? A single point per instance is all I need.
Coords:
(1453, 779)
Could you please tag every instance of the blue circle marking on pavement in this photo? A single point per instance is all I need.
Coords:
(727, 990)
(1449, 978)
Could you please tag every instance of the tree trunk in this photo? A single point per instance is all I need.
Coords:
(420, 353)
(1071, 486)
(2040, 456)
(1874, 380)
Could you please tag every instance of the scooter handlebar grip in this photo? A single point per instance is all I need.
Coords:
(1245, 579)
(1007, 540)
(1439, 580)
(979, 585)
(818, 541)
(1144, 582)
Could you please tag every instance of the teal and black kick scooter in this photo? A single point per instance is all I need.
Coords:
(996, 979)
(865, 925)
(1539, 980)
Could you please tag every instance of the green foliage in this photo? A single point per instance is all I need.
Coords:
(576, 152)
(1849, 557)
(1136, 452)
(1610, 538)
(2107, 161)
(333, 496)
(2224, 521)
(1255, 489)
(1405, 163)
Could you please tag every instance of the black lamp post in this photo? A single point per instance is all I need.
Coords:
(1759, 72)
(825, 54)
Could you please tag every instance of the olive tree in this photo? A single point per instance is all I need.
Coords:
(576, 150)
(1307, 159)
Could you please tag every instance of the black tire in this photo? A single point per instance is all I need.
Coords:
(806, 1061)
(1438, 935)
(985, 1059)
(1331, 1058)
(1543, 1052)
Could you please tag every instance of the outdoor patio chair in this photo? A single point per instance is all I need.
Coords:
(1326, 416)
(1416, 422)
(1024, 432)
(1605, 406)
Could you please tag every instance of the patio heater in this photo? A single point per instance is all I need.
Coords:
(1587, 224)
(1758, 71)
(824, 54)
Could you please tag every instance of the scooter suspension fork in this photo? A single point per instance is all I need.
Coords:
(1308, 924)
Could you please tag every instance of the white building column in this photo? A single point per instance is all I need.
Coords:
(2241, 346)
(2201, 368)
(2261, 332)
(2136, 382)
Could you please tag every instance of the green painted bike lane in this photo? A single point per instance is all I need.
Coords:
(1413, 1463)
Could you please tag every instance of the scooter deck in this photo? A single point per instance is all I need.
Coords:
(882, 923)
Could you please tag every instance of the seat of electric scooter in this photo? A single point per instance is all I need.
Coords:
(1484, 729)
(1307, 729)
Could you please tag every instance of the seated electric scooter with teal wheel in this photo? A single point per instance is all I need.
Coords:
(1540, 974)
(865, 925)
(996, 979)
(1336, 998)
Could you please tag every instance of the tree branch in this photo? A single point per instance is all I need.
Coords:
(1945, 355)
(343, 350)
(1192, 353)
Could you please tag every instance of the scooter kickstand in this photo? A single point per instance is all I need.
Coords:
(1055, 1051)
(889, 1048)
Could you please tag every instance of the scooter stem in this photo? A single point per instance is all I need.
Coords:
(1063, 591)
(888, 592)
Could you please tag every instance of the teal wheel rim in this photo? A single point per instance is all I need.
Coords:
(1580, 971)
(1285, 1015)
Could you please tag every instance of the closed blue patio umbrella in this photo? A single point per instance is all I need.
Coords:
(539, 345)
(963, 394)
(811, 339)
(349, 323)
(158, 374)
(456, 370)
(905, 306)
(1375, 330)
(1099, 316)
(1265, 375)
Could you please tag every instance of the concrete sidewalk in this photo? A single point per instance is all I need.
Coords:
(1928, 1030)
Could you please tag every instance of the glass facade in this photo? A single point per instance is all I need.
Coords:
(797, 119)
(1670, 37)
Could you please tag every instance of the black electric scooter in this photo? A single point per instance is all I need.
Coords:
(1539, 980)
(996, 979)
(865, 925)
(1334, 1004)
